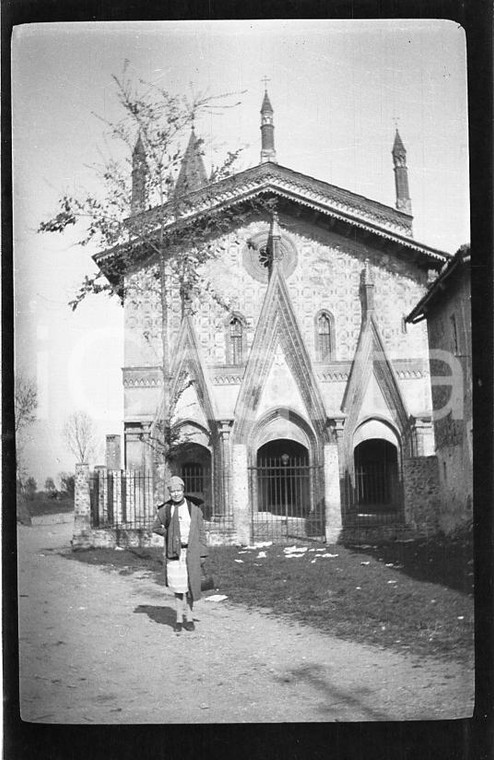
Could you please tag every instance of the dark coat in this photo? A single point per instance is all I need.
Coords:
(197, 549)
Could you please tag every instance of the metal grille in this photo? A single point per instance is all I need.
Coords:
(372, 484)
(282, 500)
(193, 477)
(375, 477)
(122, 499)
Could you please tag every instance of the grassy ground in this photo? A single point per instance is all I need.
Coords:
(415, 596)
(42, 504)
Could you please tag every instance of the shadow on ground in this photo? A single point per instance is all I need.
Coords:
(335, 699)
(160, 615)
(435, 560)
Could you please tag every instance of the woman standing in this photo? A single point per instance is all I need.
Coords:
(180, 522)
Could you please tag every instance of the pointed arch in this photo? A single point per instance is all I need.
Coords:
(187, 367)
(371, 361)
(277, 325)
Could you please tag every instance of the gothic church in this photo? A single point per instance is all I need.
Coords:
(305, 409)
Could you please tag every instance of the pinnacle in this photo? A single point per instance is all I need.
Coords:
(398, 146)
(266, 103)
(192, 174)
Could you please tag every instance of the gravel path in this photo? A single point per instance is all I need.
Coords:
(98, 647)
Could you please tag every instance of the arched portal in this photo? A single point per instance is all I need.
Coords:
(283, 478)
(376, 476)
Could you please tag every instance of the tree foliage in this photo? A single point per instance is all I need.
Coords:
(80, 435)
(30, 488)
(67, 482)
(50, 487)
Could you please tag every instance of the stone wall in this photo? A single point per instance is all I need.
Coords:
(449, 326)
(421, 494)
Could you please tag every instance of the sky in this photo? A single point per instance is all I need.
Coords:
(338, 89)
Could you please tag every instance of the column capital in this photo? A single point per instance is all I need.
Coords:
(422, 421)
(225, 427)
(336, 426)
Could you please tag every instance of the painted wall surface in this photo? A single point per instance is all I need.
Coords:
(326, 276)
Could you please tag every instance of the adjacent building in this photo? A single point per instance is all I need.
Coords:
(446, 309)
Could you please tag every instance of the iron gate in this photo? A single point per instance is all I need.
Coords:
(282, 498)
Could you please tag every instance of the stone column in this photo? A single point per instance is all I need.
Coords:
(333, 476)
(225, 505)
(332, 496)
(240, 494)
(82, 507)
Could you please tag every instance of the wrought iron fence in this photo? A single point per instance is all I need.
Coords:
(122, 499)
(283, 503)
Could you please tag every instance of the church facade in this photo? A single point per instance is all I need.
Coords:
(304, 408)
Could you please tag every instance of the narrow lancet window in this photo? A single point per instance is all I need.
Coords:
(324, 347)
(236, 340)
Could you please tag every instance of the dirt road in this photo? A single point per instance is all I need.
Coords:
(97, 647)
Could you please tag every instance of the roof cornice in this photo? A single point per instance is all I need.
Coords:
(330, 200)
(270, 175)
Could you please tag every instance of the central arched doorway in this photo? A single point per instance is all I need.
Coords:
(283, 479)
(283, 485)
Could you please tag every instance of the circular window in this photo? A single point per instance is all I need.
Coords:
(255, 256)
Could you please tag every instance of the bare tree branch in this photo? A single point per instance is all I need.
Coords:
(80, 435)
(25, 402)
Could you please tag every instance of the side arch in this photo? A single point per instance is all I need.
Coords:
(376, 465)
(376, 427)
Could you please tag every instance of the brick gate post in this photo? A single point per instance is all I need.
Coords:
(82, 507)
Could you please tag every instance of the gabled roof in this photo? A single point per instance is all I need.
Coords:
(435, 293)
(329, 201)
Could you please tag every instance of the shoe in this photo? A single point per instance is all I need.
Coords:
(189, 626)
(177, 627)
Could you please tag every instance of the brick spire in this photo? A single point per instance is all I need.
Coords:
(268, 152)
(403, 202)
(192, 174)
(139, 175)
